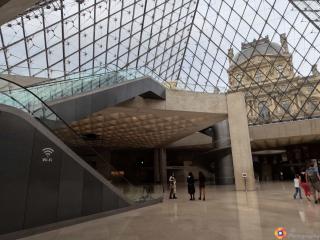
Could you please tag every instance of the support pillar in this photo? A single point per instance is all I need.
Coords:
(225, 168)
(221, 138)
(156, 166)
(240, 141)
(163, 166)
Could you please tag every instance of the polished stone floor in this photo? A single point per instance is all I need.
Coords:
(226, 214)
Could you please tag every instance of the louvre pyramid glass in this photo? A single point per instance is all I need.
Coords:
(266, 48)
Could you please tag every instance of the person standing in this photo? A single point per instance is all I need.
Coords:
(313, 179)
(172, 187)
(191, 188)
(202, 190)
(281, 176)
(297, 186)
(304, 185)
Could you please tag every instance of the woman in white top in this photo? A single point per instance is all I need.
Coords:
(172, 187)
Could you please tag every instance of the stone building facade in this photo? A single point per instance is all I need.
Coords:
(274, 92)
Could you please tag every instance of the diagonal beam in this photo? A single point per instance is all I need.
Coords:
(185, 49)
(304, 14)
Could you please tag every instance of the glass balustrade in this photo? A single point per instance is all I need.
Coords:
(74, 84)
(16, 96)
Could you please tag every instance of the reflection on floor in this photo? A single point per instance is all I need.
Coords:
(225, 214)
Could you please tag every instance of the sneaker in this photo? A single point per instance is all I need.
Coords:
(204, 199)
(316, 201)
(199, 198)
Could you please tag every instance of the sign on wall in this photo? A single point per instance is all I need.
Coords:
(48, 154)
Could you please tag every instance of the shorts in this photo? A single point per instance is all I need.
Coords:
(315, 186)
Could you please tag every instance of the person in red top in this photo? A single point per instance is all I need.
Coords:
(304, 185)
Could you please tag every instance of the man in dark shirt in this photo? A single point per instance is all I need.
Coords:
(313, 178)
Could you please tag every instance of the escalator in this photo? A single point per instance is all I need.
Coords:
(43, 179)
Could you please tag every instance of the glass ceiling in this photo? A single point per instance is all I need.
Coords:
(171, 40)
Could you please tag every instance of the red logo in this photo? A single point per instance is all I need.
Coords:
(280, 233)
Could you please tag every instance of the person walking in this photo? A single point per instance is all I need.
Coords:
(313, 179)
(172, 187)
(202, 189)
(297, 186)
(191, 188)
(304, 185)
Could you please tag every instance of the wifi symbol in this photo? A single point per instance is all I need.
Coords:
(47, 151)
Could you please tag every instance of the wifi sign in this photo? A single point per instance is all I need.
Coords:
(48, 152)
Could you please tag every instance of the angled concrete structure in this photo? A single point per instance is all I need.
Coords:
(48, 181)
(10, 9)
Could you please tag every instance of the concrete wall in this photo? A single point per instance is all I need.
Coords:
(21, 80)
(38, 189)
(11, 8)
(197, 139)
(79, 106)
(285, 133)
(178, 100)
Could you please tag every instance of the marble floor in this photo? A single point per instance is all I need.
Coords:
(226, 214)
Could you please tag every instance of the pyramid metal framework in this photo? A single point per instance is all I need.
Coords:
(186, 41)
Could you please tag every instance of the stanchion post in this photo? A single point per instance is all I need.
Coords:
(244, 176)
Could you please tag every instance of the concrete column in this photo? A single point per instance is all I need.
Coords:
(240, 141)
(163, 166)
(225, 169)
(156, 166)
(221, 139)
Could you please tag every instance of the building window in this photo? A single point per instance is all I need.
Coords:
(309, 89)
(238, 79)
(258, 77)
(264, 113)
(250, 109)
(279, 71)
(312, 105)
(286, 106)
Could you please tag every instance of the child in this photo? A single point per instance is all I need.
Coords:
(297, 186)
